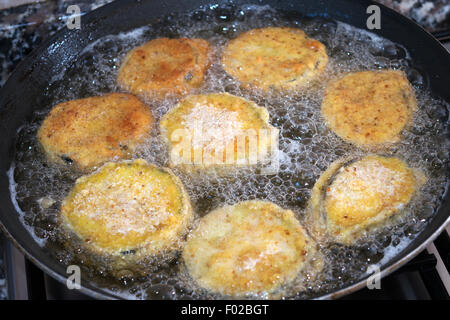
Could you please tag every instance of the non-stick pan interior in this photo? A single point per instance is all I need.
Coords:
(23, 92)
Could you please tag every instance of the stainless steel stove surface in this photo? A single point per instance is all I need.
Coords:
(23, 27)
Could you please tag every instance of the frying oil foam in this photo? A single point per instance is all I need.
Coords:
(307, 147)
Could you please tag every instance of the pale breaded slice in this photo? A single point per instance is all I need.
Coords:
(217, 130)
(165, 66)
(250, 248)
(351, 200)
(129, 209)
(274, 57)
(89, 132)
(369, 108)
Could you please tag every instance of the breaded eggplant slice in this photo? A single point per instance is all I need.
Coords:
(369, 108)
(165, 66)
(89, 132)
(129, 209)
(352, 199)
(218, 130)
(274, 58)
(250, 248)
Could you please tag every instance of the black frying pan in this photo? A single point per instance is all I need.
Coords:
(22, 94)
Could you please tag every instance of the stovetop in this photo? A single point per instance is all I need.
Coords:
(23, 28)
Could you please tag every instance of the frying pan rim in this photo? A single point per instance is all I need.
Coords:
(334, 295)
(100, 293)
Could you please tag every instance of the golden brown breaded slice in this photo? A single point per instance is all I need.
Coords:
(130, 206)
(369, 108)
(88, 132)
(165, 66)
(350, 200)
(252, 247)
(274, 57)
(217, 130)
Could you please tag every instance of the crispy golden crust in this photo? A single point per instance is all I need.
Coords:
(253, 247)
(361, 196)
(165, 66)
(369, 108)
(128, 206)
(279, 58)
(91, 131)
(211, 125)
